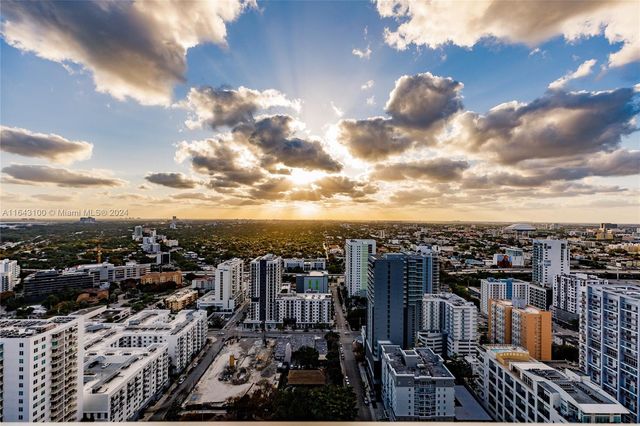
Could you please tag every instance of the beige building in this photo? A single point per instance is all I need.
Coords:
(527, 326)
(162, 277)
(181, 299)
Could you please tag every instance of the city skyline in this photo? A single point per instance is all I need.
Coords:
(323, 110)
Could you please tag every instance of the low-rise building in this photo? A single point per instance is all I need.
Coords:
(204, 282)
(416, 385)
(39, 285)
(517, 388)
(181, 299)
(304, 310)
(162, 277)
(313, 282)
(108, 272)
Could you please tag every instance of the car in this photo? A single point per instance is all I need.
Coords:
(181, 381)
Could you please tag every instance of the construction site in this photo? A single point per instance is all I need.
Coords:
(242, 364)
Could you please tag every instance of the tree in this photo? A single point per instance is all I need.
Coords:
(306, 357)
(460, 369)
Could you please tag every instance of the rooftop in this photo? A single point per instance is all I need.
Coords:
(419, 362)
(21, 328)
(306, 378)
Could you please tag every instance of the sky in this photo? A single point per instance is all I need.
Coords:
(427, 111)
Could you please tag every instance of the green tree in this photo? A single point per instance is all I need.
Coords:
(306, 357)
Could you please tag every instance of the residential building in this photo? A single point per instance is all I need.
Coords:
(204, 282)
(229, 290)
(39, 285)
(181, 299)
(548, 259)
(566, 290)
(120, 383)
(610, 341)
(162, 278)
(450, 322)
(42, 374)
(304, 310)
(266, 279)
(517, 388)
(540, 296)
(416, 386)
(306, 265)
(503, 288)
(357, 253)
(9, 274)
(184, 332)
(137, 233)
(396, 284)
(525, 326)
(108, 272)
(313, 282)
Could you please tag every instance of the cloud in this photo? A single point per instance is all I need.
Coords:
(368, 85)
(330, 186)
(435, 24)
(583, 70)
(172, 180)
(274, 139)
(52, 197)
(229, 107)
(339, 112)
(373, 139)
(49, 146)
(371, 100)
(437, 170)
(420, 100)
(362, 53)
(36, 174)
(134, 49)
(558, 125)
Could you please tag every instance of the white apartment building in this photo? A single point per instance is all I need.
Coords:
(503, 288)
(108, 272)
(229, 283)
(451, 318)
(517, 388)
(356, 260)
(548, 259)
(307, 309)
(42, 377)
(306, 265)
(610, 341)
(566, 291)
(416, 386)
(121, 382)
(204, 282)
(185, 333)
(9, 274)
(266, 279)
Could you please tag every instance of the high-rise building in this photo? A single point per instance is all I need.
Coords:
(396, 284)
(9, 274)
(137, 233)
(524, 326)
(229, 288)
(610, 341)
(416, 386)
(549, 258)
(266, 279)
(39, 285)
(502, 289)
(540, 296)
(449, 324)
(566, 291)
(357, 253)
(42, 377)
(517, 388)
(304, 310)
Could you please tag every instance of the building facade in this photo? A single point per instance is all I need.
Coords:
(181, 300)
(416, 386)
(42, 377)
(610, 341)
(357, 253)
(108, 272)
(266, 279)
(305, 310)
(517, 388)
(162, 277)
(451, 318)
(9, 274)
(566, 291)
(39, 285)
(313, 282)
(229, 290)
(548, 259)
(502, 289)
(541, 297)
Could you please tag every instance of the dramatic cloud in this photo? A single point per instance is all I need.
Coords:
(35, 175)
(274, 139)
(421, 100)
(583, 70)
(50, 146)
(362, 53)
(418, 105)
(558, 125)
(172, 180)
(436, 23)
(330, 186)
(437, 169)
(373, 139)
(229, 107)
(134, 49)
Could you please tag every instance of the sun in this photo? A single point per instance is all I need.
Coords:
(307, 208)
(301, 177)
